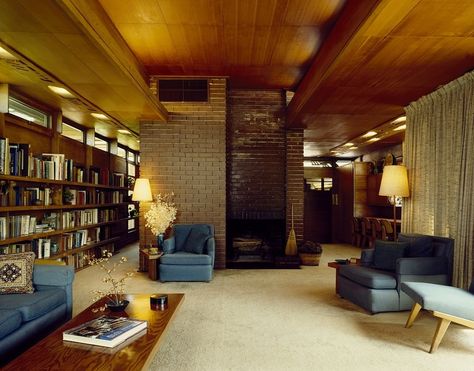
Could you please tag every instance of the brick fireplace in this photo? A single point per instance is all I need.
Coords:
(230, 162)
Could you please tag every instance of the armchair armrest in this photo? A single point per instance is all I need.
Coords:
(169, 245)
(58, 276)
(367, 257)
(423, 265)
(210, 248)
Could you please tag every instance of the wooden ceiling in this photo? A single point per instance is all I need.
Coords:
(257, 43)
(353, 64)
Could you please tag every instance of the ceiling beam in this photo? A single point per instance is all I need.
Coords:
(353, 16)
(97, 25)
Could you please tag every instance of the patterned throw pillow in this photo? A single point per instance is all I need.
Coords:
(16, 273)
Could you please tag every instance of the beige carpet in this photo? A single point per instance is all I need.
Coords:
(287, 320)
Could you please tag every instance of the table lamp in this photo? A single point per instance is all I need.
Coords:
(394, 183)
(142, 192)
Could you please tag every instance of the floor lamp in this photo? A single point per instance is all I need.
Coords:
(394, 183)
(142, 192)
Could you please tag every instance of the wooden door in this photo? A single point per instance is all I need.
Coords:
(317, 215)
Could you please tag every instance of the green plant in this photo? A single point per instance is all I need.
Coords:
(67, 196)
(310, 247)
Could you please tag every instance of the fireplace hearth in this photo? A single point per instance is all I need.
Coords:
(254, 243)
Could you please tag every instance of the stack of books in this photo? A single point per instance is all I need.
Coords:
(105, 331)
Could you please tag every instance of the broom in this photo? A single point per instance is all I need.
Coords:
(291, 248)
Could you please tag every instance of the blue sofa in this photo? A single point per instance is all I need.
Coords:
(26, 318)
(422, 259)
(188, 255)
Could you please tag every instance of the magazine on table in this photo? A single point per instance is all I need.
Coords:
(106, 331)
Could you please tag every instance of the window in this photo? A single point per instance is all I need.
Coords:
(72, 132)
(28, 113)
(101, 144)
(121, 152)
(183, 90)
(320, 184)
(131, 156)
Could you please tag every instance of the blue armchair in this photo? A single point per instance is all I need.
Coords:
(188, 255)
(375, 284)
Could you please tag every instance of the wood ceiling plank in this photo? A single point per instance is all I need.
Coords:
(144, 12)
(97, 25)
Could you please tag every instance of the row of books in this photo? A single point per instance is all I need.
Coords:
(15, 248)
(17, 159)
(80, 238)
(44, 248)
(23, 225)
(80, 259)
(92, 197)
(79, 218)
(14, 195)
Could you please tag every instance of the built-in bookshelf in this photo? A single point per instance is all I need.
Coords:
(60, 198)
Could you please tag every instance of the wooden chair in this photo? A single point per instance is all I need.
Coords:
(387, 230)
(376, 231)
(366, 228)
(356, 232)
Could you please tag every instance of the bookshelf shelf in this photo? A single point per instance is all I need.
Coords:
(30, 201)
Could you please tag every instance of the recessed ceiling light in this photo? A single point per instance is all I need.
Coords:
(4, 54)
(353, 147)
(373, 139)
(400, 119)
(369, 134)
(348, 144)
(61, 91)
(401, 127)
(123, 131)
(100, 116)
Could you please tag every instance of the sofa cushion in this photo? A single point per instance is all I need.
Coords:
(185, 258)
(16, 273)
(386, 254)
(369, 277)
(196, 240)
(34, 305)
(418, 245)
(10, 320)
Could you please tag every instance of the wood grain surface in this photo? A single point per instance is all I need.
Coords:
(52, 353)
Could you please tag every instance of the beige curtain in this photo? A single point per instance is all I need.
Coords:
(439, 155)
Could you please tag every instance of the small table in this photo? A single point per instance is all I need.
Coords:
(149, 263)
(54, 353)
(337, 265)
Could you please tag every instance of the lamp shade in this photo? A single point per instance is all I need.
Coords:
(142, 190)
(394, 181)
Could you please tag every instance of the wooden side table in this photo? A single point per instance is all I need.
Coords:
(149, 263)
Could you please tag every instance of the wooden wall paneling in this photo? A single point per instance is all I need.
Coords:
(101, 158)
(2, 124)
(18, 131)
(73, 150)
(118, 164)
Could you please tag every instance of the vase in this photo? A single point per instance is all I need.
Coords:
(118, 307)
(160, 240)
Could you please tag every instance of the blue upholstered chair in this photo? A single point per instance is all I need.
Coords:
(447, 303)
(188, 255)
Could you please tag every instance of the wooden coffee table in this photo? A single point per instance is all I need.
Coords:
(135, 354)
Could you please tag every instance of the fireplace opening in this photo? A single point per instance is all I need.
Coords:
(254, 243)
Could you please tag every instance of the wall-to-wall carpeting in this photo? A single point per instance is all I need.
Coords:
(286, 320)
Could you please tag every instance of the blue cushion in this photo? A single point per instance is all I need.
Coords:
(10, 320)
(368, 277)
(386, 254)
(185, 258)
(446, 299)
(34, 305)
(418, 245)
(196, 240)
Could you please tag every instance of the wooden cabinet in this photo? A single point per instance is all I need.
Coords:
(373, 186)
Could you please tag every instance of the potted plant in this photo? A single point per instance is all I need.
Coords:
(115, 289)
(310, 253)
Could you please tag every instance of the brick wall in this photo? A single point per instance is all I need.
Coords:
(187, 156)
(295, 181)
(256, 154)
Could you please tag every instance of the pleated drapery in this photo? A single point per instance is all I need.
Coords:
(439, 155)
